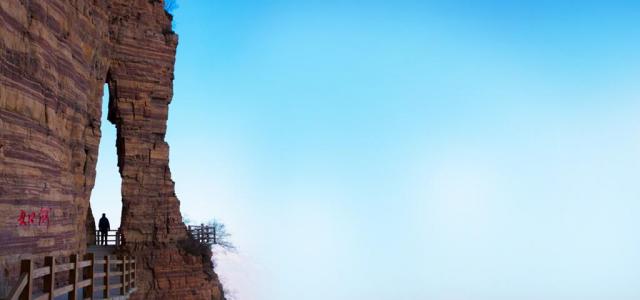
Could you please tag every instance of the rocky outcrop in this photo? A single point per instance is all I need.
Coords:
(55, 57)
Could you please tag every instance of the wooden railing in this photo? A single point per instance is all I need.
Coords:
(113, 238)
(204, 234)
(82, 277)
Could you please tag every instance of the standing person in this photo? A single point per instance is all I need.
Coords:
(104, 227)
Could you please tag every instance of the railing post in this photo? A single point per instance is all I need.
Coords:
(117, 238)
(130, 278)
(26, 266)
(87, 292)
(73, 277)
(50, 280)
(122, 269)
(125, 279)
(107, 266)
(133, 275)
(201, 232)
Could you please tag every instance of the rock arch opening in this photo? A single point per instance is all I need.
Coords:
(106, 196)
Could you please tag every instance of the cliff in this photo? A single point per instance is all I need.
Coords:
(55, 57)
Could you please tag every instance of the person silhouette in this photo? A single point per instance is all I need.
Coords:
(104, 227)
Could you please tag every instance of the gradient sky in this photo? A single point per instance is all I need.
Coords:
(409, 150)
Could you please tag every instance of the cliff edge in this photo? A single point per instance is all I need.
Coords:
(55, 57)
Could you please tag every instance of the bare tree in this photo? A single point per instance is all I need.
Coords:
(220, 236)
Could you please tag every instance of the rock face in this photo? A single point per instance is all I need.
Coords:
(55, 57)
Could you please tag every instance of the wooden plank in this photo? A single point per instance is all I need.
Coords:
(84, 264)
(134, 274)
(99, 261)
(107, 266)
(99, 287)
(132, 291)
(62, 291)
(115, 261)
(50, 280)
(130, 276)
(123, 268)
(99, 274)
(84, 283)
(115, 286)
(17, 290)
(87, 292)
(73, 276)
(44, 296)
(26, 266)
(64, 267)
(40, 272)
(116, 273)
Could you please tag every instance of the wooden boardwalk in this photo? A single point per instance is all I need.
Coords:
(95, 275)
(204, 233)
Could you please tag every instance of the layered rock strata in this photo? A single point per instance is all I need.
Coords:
(55, 57)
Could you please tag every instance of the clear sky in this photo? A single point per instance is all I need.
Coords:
(409, 150)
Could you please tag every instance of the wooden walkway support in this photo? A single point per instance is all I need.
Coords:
(82, 277)
(204, 234)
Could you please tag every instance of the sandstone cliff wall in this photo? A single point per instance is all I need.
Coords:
(55, 57)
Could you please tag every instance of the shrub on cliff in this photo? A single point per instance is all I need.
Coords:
(194, 247)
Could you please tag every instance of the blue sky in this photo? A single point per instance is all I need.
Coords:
(465, 150)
